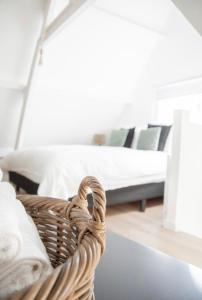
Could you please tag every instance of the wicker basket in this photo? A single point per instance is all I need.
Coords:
(74, 241)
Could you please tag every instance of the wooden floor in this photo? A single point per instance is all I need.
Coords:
(146, 228)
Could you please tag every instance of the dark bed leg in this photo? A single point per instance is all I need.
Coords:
(17, 188)
(143, 204)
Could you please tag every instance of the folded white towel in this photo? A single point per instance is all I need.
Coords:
(10, 235)
(21, 275)
(30, 265)
(23, 258)
(1, 174)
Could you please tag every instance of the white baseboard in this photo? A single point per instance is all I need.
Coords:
(168, 224)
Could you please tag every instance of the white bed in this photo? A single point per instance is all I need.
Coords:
(59, 169)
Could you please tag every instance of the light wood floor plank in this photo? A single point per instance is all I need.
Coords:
(146, 228)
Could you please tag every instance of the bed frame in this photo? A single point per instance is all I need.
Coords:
(140, 193)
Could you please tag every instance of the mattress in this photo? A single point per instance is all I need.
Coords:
(59, 169)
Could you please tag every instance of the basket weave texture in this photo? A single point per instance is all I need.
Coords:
(74, 240)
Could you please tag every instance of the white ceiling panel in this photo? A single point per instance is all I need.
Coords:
(151, 13)
(178, 57)
(97, 57)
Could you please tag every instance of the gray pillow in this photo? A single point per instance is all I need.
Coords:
(118, 137)
(165, 130)
(149, 139)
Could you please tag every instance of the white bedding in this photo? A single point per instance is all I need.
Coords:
(60, 169)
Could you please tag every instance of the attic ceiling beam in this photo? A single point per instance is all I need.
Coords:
(29, 85)
(179, 82)
(72, 10)
(128, 20)
(184, 87)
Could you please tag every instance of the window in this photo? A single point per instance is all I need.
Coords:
(166, 107)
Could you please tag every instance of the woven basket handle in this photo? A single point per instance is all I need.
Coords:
(99, 199)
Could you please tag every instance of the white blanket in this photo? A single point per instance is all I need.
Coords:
(60, 169)
(23, 258)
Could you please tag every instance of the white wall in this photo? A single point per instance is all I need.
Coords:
(20, 23)
(94, 75)
(55, 118)
(91, 71)
(183, 205)
(10, 107)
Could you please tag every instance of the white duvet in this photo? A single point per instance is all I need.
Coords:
(60, 169)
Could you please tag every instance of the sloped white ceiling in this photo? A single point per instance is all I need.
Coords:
(179, 55)
(145, 12)
(98, 41)
(109, 44)
(102, 54)
(192, 10)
